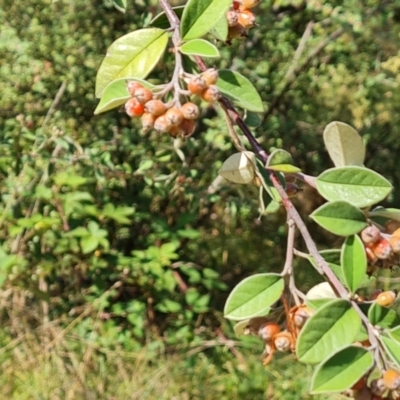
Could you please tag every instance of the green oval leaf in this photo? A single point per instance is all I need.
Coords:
(199, 17)
(281, 160)
(392, 347)
(332, 327)
(252, 119)
(132, 55)
(239, 167)
(356, 185)
(161, 21)
(120, 5)
(354, 262)
(342, 370)
(344, 144)
(253, 296)
(115, 94)
(263, 175)
(221, 29)
(340, 218)
(199, 47)
(383, 316)
(236, 86)
(390, 213)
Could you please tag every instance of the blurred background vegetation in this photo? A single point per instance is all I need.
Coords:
(115, 256)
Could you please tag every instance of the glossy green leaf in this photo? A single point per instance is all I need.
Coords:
(120, 5)
(390, 213)
(344, 144)
(199, 17)
(342, 370)
(161, 21)
(236, 86)
(354, 262)
(253, 296)
(220, 30)
(89, 244)
(115, 94)
(340, 218)
(132, 55)
(359, 186)
(332, 327)
(320, 291)
(383, 317)
(199, 47)
(392, 347)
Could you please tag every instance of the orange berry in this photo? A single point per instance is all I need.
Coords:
(232, 17)
(391, 379)
(210, 76)
(395, 243)
(190, 111)
(386, 299)
(247, 19)
(148, 121)
(174, 116)
(283, 341)
(211, 94)
(268, 330)
(197, 85)
(301, 315)
(371, 257)
(161, 124)
(396, 233)
(371, 234)
(374, 295)
(143, 95)
(132, 86)
(155, 107)
(133, 108)
(250, 3)
(382, 249)
(187, 127)
(236, 32)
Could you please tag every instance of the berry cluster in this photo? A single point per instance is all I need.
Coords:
(381, 248)
(276, 339)
(240, 18)
(173, 118)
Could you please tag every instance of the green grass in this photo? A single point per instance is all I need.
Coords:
(49, 363)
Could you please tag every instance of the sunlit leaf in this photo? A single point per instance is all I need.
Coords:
(332, 327)
(340, 218)
(133, 55)
(239, 167)
(199, 47)
(345, 146)
(161, 20)
(359, 186)
(199, 17)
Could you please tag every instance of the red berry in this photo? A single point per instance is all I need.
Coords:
(155, 107)
(174, 116)
(197, 85)
(236, 5)
(190, 111)
(133, 108)
(247, 19)
(382, 249)
(132, 86)
(211, 94)
(187, 127)
(161, 124)
(143, 95)
(210, 76)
